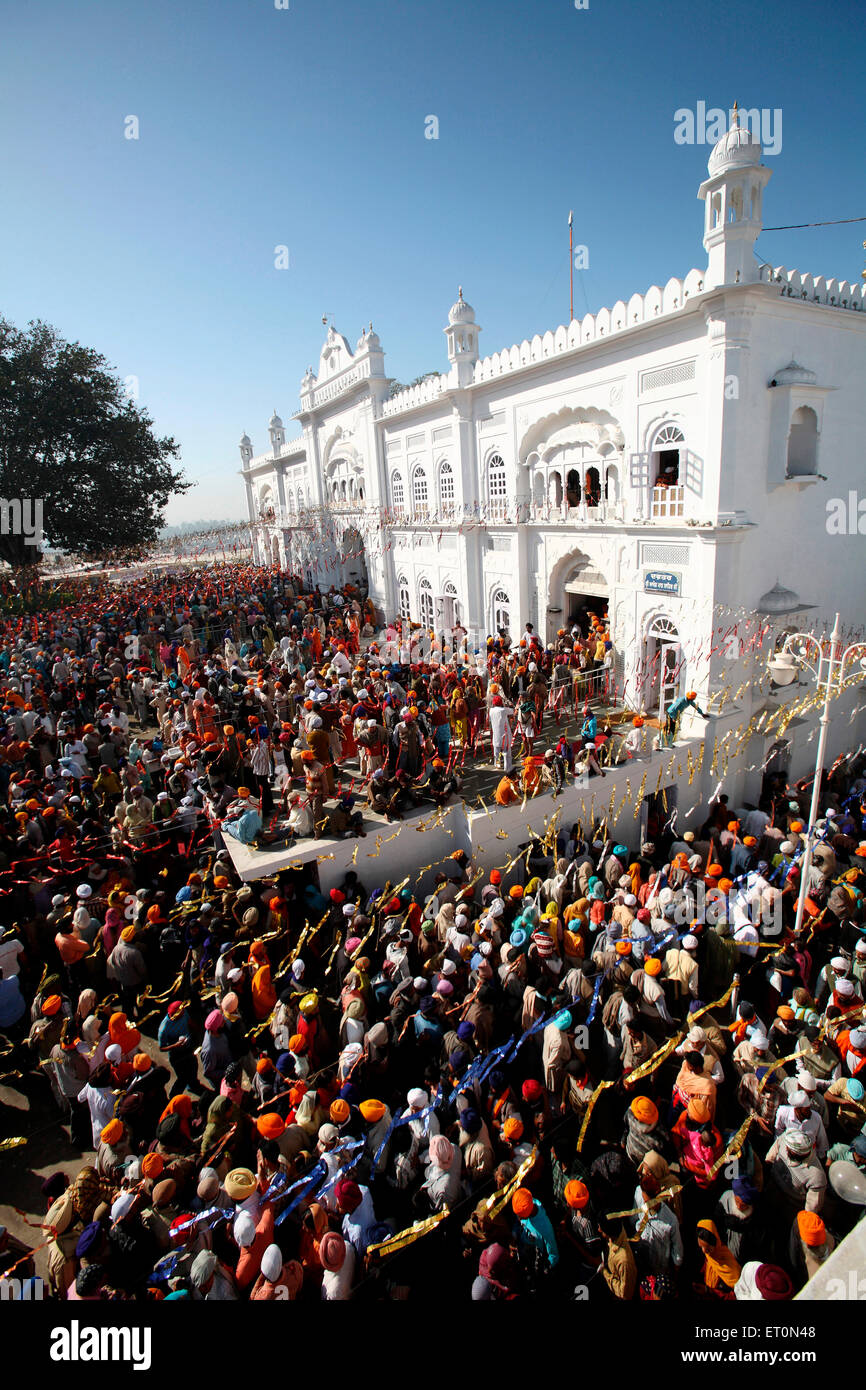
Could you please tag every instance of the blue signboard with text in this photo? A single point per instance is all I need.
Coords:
(662, 582)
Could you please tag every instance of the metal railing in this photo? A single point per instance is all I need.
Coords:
(668, 502)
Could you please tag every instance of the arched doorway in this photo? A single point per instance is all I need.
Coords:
(500, 611)
(663, 666)
(404, 602)
(578, 591)
(425, 602)
(354, 559)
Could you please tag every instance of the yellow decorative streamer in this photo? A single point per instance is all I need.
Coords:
(384, 1248)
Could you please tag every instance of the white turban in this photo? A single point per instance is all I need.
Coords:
(272, 1263)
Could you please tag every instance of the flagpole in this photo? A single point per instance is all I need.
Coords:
(571, 267)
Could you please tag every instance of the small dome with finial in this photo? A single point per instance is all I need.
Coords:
(246, 442)
(275, 423)
(778, 601)
(461, 312)
(737, 148)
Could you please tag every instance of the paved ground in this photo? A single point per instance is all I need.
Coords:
(28, 1110)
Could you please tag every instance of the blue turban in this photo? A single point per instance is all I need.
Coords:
(286, 1064)
(465, 1030)
(745, 1189)
(89, 1239)
(470, 1121)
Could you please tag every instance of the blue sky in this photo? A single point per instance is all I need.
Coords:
(305, 127)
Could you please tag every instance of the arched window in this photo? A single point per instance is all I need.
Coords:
(403, 599)
(446, 489)
(496, 487)
(419, 492)
(572, 487)
(611, 483)
(663, 628)
(397, 499)
(300, 498)
(803, 443)
(666, 449)
(593, 487)
(425, 603)
(449, 592)
(501, 611)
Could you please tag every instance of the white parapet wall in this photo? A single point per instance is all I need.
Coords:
(416, 846)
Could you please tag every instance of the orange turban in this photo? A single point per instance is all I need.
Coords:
(372, 1110)
(112, 1133)
(270, 1126)
(152, 1165)
(523, 1203)
(653, 966)
(812, 1229)
(512, 1130)
(576, 1194)
(644, 1110)
(339, 1111)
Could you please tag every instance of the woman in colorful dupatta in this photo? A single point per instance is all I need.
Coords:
(720, 1271)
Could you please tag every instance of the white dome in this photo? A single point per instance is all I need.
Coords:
(736, 149)
(779, 600)
(461, 312)
(246, 442)
(794, 375)
(275, 423)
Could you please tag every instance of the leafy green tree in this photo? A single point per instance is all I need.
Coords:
(70, 437)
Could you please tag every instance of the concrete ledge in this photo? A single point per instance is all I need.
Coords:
(415, 846)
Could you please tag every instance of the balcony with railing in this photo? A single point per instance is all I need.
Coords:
(668, 502)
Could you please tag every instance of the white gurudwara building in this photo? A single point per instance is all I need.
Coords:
(669, 461)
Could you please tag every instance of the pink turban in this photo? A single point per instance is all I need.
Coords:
(441, 1151)
(332, 1251)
